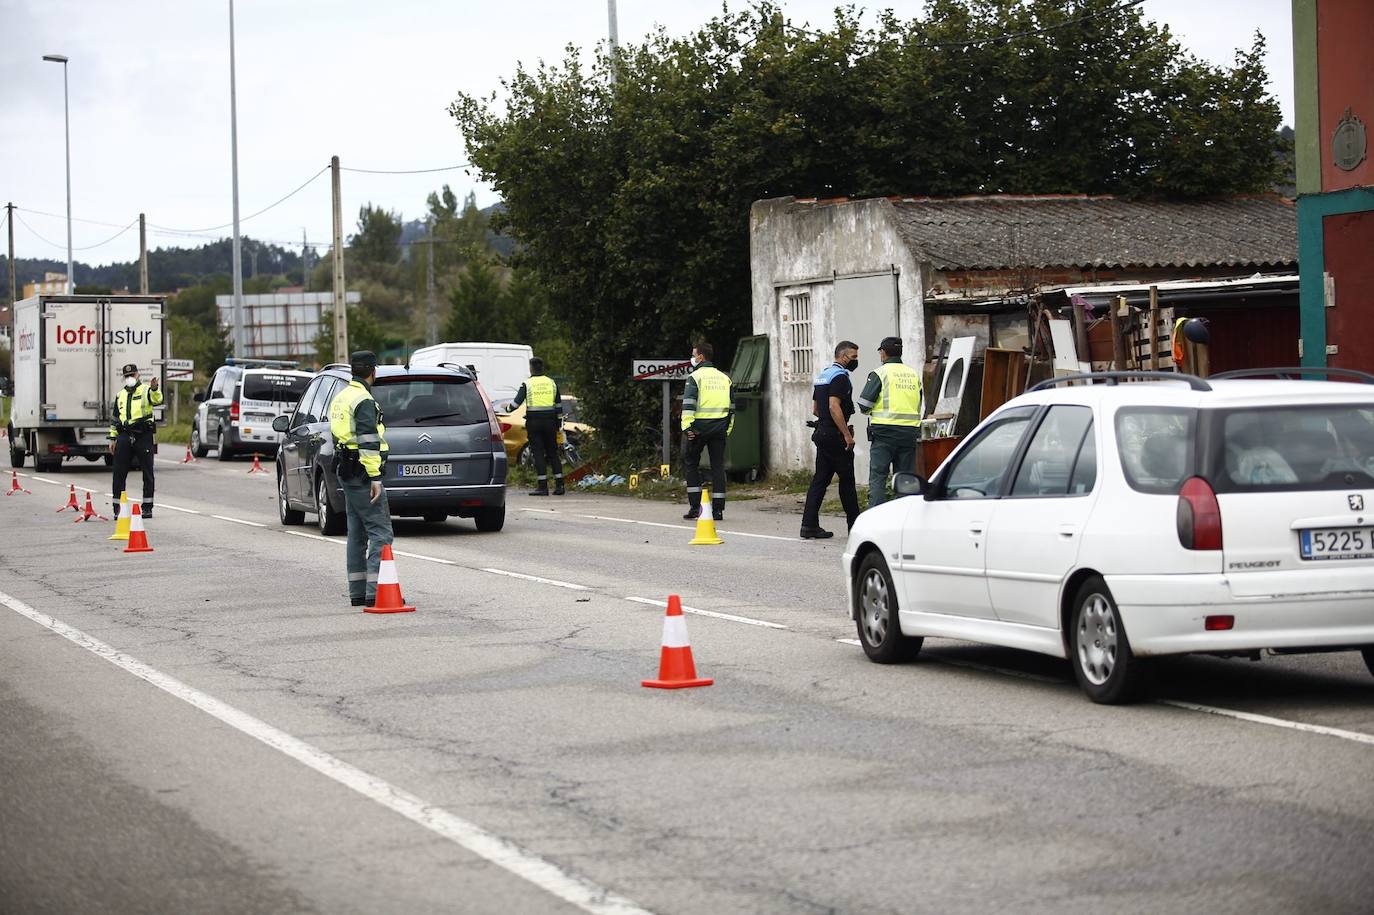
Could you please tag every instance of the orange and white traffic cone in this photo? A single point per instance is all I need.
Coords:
(89, 513)
(14, 485)
(257, 465)
(190, 458)
(138, 537)
(676, 670)
(71, 501)
(388, 598)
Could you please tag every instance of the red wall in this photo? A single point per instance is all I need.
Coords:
(1349, 241)
(1345, 79)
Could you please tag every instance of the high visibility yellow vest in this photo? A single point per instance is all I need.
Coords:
(713, 393)
(899, 401)
(134, 405)
(371, 449)
(540, 394)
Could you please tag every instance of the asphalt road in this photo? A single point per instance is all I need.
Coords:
(210, 728)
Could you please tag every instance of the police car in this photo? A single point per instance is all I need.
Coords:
(1113, 523)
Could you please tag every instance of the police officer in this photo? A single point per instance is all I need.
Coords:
(543, 414)
(892, 400)
(708, 415)
(832, 405)
(355, 421)
(132, 433)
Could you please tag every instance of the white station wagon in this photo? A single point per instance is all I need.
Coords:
(1113, 523)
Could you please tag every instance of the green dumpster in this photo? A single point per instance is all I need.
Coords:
(744, 448)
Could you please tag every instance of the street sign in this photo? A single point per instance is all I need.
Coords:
(661, 370)
(179, 369)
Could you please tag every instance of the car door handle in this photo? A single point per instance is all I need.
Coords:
(1068, 531)
(975, 530)
(290, 446)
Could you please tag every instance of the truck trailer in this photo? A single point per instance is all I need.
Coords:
(68, 352)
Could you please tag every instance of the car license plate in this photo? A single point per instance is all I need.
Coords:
(1337, 543)
(426, 470)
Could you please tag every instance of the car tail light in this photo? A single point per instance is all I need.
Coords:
(1218, 623)
(1199, 516)
(497, 428)
(234, 411)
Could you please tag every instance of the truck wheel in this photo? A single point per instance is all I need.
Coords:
(198, 447)
(46, 466)
(1369, 658)
(490, 520)
(17, 453)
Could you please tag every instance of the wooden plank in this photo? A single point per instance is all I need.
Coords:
(1002, 378)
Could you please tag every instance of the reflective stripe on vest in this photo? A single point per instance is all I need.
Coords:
(713, 393)
(540, 394)
(899, 400)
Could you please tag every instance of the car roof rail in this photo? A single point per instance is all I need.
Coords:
(241, 362)
(470, 369)
(1287, 373)
(1193, 381)
(336, 365)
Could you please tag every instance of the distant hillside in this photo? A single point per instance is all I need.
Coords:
(502, 245)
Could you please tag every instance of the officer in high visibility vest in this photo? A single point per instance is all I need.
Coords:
(132, 433)
(355, 421)
(543, 414)
(708, 415)
(892, 400)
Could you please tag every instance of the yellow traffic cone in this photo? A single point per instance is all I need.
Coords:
(122, 522)
(706, 525)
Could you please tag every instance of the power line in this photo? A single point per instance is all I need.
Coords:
(277, 203)
(409, 171)
(93, 222)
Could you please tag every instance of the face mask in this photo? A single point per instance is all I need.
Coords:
(131, 382)
(852, 364)
(696, 361)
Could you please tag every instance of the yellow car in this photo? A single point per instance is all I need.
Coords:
(571, 437)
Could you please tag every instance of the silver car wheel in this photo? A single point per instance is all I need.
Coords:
(874, 605)
(1097, 639)
(322, 504)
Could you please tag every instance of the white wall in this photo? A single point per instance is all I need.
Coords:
(799, 247)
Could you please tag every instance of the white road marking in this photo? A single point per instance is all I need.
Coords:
(541, 511)
(543, 581)
(712, 613)
(316, 537)
(186, 511)
(503, 853)
(675, 527)
(238, 521)
(442, 562)
(855, 642)
(29, 476)
(1251, 717)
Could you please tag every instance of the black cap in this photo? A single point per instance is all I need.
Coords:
(362, 362)
(891, 345)
(128, 370)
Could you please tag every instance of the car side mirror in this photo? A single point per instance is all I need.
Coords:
(198, 397)
(508, 407)
(281, 424)
(908, 484)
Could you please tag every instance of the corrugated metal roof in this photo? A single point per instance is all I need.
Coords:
(992, 233)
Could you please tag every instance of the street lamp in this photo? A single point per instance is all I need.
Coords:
(67, 126)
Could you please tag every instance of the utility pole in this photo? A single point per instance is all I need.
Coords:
(253, 259)
(340, 307)
(240, 349)
(614, 37)
(431, 302)
(305, 261)
(143, 257)
(9, 207)
(67, 128)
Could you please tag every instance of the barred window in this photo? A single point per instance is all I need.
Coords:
(800, 364)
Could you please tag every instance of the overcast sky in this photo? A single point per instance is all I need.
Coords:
(367, 80)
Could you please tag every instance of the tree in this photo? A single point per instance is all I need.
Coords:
(364, 333)
(631, 197)
(476, 301)
(378, 236)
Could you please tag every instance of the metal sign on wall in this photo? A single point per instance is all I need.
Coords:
(1349, 142)
(661, 369)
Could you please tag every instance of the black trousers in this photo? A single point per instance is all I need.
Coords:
(713, 443)
(832, 458)
(127, 445)
(543, 436)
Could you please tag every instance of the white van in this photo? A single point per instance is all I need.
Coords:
(501, 367)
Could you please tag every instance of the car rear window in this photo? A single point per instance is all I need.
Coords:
(1312, 447)
(429, 402)
(1156, 446)
(282, 388)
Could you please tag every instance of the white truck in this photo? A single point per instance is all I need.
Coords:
(68, 352)
(501, 367)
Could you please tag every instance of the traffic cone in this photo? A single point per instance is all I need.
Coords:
(257, 467)
(71, 501)
(138, 537)
(89, 513)
(190, 458)
(676, 669)
(388, 598)
(706, 525)
(121, 531)
(14, 485)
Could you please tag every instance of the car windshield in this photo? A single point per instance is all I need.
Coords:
(1297, 448)
(570, 411)
(429, 402)
(281, 388)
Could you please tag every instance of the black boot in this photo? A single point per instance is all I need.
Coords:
(558, 489)
(815, 533)
(147, 510)
(693, 513)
